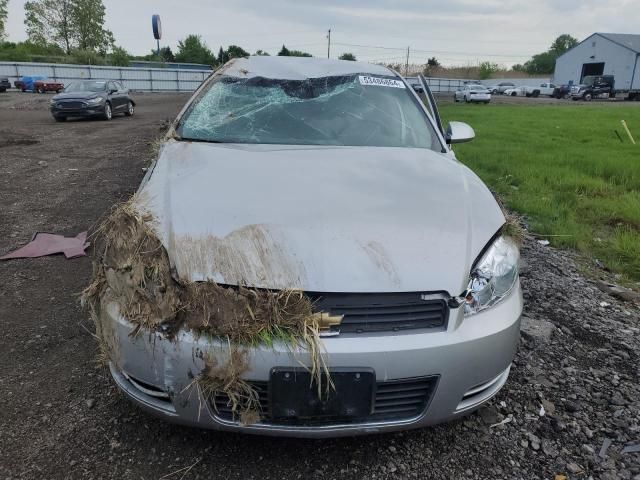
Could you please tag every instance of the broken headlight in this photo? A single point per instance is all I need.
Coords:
(493, 277)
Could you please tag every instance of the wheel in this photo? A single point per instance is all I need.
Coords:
(23, 90)
(108, 113)
(130, 109)
(514, 94)
(536, 93)
(60, 119)
(587, 97)
(41, 90)
(59, 90)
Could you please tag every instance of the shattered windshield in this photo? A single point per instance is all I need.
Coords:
(356, 110)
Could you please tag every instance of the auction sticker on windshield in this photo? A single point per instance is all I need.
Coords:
(380, 82)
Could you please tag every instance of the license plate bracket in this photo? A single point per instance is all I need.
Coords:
(294, 396)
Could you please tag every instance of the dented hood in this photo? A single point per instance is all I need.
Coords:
(323, 219)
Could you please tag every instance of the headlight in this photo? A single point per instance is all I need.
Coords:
(94, 100)
(493, 277)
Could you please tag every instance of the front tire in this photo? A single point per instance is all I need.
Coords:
(60, 119)
(536, 93)
(514, 94)
(130, 109)
(108, 113)
(587, 97)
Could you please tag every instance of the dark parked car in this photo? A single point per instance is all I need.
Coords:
(92, 98)
(4, 84)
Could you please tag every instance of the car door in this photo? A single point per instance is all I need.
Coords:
(122, 95)
(115, 96)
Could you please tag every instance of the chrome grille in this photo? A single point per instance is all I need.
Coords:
(395, 400)
(383, 312)
(72, 105)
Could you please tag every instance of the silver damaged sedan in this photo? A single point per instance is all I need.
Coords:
(335, 178)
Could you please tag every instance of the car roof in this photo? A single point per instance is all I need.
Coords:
(298, 68)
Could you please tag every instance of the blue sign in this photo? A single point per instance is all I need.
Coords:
(157, 27)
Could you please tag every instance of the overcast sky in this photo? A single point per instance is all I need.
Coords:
(457, 32)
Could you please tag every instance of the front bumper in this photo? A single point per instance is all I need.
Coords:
(471, 361)
(88, 111)
(480, 97)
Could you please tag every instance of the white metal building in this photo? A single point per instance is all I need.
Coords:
(616, 54)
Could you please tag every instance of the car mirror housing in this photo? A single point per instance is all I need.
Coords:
(459, 132)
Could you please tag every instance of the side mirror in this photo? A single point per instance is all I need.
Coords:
(459, 132)
(113, 90)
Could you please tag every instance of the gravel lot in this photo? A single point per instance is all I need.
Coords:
(61, 416)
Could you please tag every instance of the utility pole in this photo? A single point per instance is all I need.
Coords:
(406, 66)
(329, 44)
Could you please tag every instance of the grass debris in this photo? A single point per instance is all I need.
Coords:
(513, 229)
(133, 270)
(226, 380)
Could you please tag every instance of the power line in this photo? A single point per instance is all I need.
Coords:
(446, 52)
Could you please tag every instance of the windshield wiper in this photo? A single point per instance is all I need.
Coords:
(201, 140)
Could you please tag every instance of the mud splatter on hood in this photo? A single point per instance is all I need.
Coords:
(338, 219)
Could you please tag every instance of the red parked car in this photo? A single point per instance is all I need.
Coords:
(47, 85)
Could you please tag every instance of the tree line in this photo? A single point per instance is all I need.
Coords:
(73, 31)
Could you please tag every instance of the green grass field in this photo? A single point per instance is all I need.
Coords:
(565, 170)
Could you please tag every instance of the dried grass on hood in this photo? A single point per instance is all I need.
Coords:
(134, 272)
(248, 316)
(133, 269)
(513, 229)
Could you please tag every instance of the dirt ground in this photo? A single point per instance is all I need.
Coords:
(61, 416)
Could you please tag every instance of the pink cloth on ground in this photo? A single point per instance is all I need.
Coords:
(44, 244)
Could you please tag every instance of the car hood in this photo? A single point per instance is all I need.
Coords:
(77, 96)
(323, 219)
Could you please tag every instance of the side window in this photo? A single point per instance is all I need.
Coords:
(112, 86)
(119, 86)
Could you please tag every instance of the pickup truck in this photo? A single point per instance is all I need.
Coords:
(594, 86)
(543, 89)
